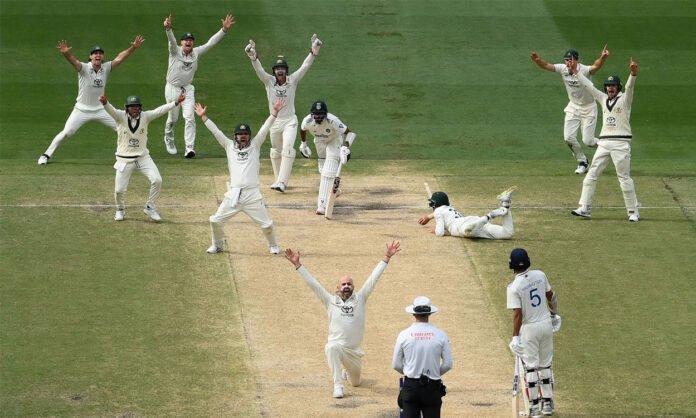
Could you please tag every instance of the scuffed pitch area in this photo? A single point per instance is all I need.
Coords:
(286, 326)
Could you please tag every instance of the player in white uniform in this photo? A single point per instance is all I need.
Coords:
(278, 85)
(183, 63)
(614, 142)
(91, 81)
(346, 310)
(328, 132)
(581, 111)
(422, 354)
(534, 320)
(243, 194)
(448, 221)
(132, 152)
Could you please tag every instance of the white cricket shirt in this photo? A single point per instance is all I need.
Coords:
(528, 292)
(576, 94)
(182, 67)
(616, 113)
(274, 91)
(330, 129)
(90, 85)
(131, 142)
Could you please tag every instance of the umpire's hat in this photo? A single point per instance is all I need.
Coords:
(421, 306)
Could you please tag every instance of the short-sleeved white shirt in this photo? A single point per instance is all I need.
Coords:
(576, 93)
(90, 85)
(528, 292)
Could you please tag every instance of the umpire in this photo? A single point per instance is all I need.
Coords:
(422, 354)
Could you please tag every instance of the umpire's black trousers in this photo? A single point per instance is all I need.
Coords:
(421, 395)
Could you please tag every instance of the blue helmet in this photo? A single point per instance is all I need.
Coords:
(519, 259)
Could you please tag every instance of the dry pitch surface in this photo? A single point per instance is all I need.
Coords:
(286, 326)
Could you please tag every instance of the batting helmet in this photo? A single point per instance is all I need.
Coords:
(133, 101)
(613, 80)
(571, 54)
(280, 63)
(438, 199)
(242, 128)
(519, 259)
(319, 107)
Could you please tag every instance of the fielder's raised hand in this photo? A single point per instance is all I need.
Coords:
(279, 104)
(200, 111)
(316, 44)
(168, 22)
(102, 100)
(634, 67)
(227, 23)
(250, 49)
(392, 248)
(293, 257)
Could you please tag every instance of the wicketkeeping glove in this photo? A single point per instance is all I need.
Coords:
(516, 346)
(556, 323)
(345, 154)
(251, 49)
(305, 150)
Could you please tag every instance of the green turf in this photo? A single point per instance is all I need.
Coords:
(98, 319)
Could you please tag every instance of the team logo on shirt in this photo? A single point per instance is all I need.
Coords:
(242, 156)
(187, 66)
(347, 310)
(281, 93)
(98, 83)
(134, 143)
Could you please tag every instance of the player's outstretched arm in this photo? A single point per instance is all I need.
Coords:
(66, 49)
(201, 111)
(392, 248)
(599, 62)
(423, 220)
(123, 55)
(293, 257)
(544, 65)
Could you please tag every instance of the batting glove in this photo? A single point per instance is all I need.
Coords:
(251, 49)
(345, 154)
(556, 323)
(305, 150)
(516, 346)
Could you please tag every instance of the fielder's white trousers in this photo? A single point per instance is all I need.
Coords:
(250, 201)
(619, 152)
(340, 357)
(480, 227)
(283, 133)
(582, 119)
(537, 339)
(171, 93)
(75, 121)
(123, 175)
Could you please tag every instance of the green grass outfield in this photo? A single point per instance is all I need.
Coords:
(97, 321)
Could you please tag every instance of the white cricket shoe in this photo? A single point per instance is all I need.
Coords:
(505, 196)
(43, 159)
(547, 408)
(633, 216)
(214, 249)
(535, 411)
(321, 211)
(190, 153)
(582, 167)
(152, 213)
(171, 146)
(274, 249)
(338, 391)
(583, 212)
(498, 212)
(119, 215)
(280, 186)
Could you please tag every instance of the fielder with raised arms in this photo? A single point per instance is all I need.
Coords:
(132, 152)
(346, 310)
(581, 111)
(183, 64)
(534, 320)
(243, 194)
(328, 131)
(91, 82)
(449, 221)
(281, 85)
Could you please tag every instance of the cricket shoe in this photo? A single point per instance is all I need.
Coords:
(274, 249)
(582, 167)
(547, 408)
(583, 212)
(190, 153)
(171, 146)
(505, 197)
(43, 159)
(280, 186)
(338, 391)
(119, 215)
(498, 212)
(535, 411)
(214, 249)
(152, 213)
(633, 216)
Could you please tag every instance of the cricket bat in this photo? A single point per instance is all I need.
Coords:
(515, 389)
(332, 195)
(427, 189)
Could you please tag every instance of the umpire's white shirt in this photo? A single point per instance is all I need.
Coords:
(422, 349)
(243, 164)
(90, 85)
(346, 318)
(528, 292)
(330, 129)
